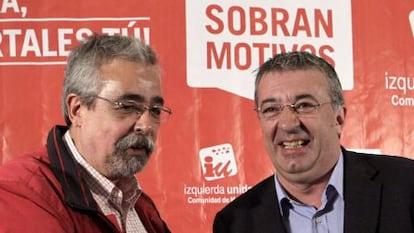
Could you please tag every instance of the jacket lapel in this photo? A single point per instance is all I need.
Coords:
(266, 215)
(362, 195)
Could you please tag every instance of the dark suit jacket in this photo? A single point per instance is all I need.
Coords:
(378, 193)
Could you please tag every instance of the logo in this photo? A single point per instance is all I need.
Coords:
(228, 40)
(218, 162)
(411, 19)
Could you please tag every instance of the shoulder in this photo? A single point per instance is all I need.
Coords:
(30, 177)
(387, 166)
(261, 192)
(379, 159)
(254, 211)
(25, 167)
(31, 199)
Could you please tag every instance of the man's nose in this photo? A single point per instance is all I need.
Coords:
(144, 122)
(288, 118)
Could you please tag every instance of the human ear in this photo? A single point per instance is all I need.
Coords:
(73, 103)
(340, 119)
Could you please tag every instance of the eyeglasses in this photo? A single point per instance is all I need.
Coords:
(272, 110)
(158, 113)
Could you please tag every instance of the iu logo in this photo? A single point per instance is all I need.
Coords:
(218, 162)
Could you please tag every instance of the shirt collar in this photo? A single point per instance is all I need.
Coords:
(336, 180)
(130, 189)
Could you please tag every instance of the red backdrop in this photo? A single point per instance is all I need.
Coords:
(211, 149)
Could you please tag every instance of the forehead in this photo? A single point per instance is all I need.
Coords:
(290, 85)
(120, 77)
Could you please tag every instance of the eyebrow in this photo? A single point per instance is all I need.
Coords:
(296, 98)
(305, 96)
(140, 98)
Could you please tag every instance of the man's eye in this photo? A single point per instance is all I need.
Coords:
(271, 109)
(128, 108)
(304, 105)
(156, 111)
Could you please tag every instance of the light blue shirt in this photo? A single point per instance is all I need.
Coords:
(301, 218)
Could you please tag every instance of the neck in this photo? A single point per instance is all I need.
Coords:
(306, 193)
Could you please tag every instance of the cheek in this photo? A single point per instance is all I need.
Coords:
(268, 131)
(328, 130)
(101, 136)
(107, 132)
(116, 132)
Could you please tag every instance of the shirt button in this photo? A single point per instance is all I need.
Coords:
(318, 220)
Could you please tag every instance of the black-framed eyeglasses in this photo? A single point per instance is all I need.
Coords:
(158, 113)
(272, 110)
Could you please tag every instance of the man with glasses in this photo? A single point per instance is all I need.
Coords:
(318, 185)
(84, 179)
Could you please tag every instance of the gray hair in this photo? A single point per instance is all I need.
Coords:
(82, 76)
(302, 61)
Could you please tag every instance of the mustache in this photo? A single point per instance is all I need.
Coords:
(136, 141)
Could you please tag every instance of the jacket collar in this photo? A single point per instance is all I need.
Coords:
(66, 170)
(361, 196)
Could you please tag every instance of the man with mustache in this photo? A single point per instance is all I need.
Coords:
(84, 179)
(318, 185)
